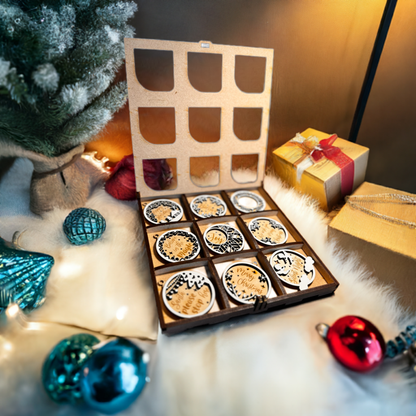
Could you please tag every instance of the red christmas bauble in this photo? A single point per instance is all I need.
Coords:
(356, 343)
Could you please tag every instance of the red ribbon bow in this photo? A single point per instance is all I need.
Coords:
(326, 149)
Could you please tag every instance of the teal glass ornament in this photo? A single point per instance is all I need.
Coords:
(61, 370)
(114, 376)
(84, 225)
(23, 276)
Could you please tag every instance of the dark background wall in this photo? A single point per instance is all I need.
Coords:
(322, 48)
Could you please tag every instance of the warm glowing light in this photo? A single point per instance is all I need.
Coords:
(12, 310)
(7, 346)
(69, 269)
(98, 163)
(33, 326)
(121, 313)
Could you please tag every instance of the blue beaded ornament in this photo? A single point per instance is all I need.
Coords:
(114, 376)
(84, 225)
(62, 369)
(402, 342)
(23, 276)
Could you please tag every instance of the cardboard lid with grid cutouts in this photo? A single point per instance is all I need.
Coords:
(184, 96)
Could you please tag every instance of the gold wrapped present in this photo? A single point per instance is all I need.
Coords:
(378, 224)
(321, 165)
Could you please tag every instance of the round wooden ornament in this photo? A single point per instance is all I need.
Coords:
(293, 268)
(268, 231)
(245, 281)
(246, 201)
(188, 294)
(163, 211)
(177, 245)
(222, 238)
(206, 206)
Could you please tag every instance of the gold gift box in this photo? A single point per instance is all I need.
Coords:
(384, 245)
(323, 179)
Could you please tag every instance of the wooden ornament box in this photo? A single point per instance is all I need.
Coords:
(182, 97)
(212, 265)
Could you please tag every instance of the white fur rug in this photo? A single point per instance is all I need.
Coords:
(102, 286)
(271, 364)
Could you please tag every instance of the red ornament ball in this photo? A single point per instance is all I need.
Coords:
(122, 182)
(356, 343)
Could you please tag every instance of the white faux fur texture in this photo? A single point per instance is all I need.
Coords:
(276, 364)
(270, 364)
(104, 286)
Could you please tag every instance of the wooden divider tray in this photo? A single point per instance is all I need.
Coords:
(212, 265)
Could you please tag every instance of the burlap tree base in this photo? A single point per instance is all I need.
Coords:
(64, 181)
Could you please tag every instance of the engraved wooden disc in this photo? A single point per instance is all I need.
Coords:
(245, 281)
(222, 238)
(215, 236)
(163, 211)
(246, 201)
(268, 231)
(291, 267)
(206, 206)
(177, 245)
(188, 294)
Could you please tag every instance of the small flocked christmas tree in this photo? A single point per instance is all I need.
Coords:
(58, 61)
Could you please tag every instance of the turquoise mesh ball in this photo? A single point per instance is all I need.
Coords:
(61, 371)
(84, 225)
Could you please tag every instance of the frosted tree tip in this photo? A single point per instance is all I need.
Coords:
(46, 77)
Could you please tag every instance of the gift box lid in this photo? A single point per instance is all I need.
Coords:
(183, 96)
(390, 227)
(324, 169)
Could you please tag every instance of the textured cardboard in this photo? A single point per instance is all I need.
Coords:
(387, 249)
(184, 96)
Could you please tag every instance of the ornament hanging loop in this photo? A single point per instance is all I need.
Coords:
(322, 330)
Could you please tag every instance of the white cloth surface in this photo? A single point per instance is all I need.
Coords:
(103, 286)
(269, 364)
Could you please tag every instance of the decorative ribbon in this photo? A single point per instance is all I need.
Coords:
(314, 151)
(360, 201)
